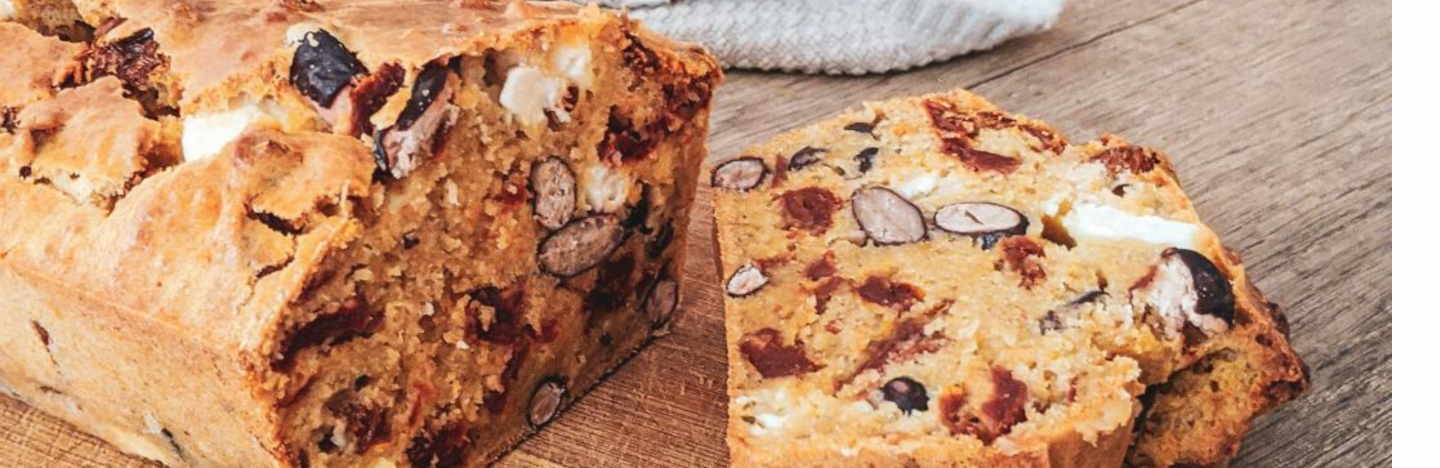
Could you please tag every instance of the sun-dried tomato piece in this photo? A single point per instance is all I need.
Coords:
(354, 319)
(823, 267)
(508, 304)
(442, 449)
(1019, 254)
(682, 102)
(639, 58)
(764, 350)
(810, 209)
(996, 416)
(978, 160)
(370, 94)
(782, 170)
(905, 341)
(1049, 139)
(824, 291)
(131, 59)
(888, 293)
(625, 142)
(1133, 159)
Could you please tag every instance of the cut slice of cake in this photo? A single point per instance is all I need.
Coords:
(931, 281)
(344, 234)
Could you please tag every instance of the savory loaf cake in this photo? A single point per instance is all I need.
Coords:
(338, 233)
(934, 282)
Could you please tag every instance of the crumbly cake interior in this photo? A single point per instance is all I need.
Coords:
(439, 246)
(933, 282)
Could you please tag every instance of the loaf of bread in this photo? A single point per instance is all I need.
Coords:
(255, 233)
(932, 282)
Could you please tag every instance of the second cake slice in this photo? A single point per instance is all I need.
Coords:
(933, 282)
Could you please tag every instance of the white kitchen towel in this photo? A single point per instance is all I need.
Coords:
(842, 36)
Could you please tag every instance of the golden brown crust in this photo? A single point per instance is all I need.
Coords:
(175, 219)
(36, 65)
(90, 142)
(193, 221)
(215, 48)
(1200, 416)
(1067, 452)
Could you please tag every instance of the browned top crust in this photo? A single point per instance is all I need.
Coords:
(34, 66)
(93, 143)
(214, 42)
(222, 230)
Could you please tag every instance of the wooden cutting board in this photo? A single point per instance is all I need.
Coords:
(1276, 112)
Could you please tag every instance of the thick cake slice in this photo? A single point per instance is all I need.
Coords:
(933, 282)
(346, 234)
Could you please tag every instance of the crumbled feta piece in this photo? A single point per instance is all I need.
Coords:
(606, 189)
(529, 92)
(204, 135)
(1105, 222)
(573, 63)
(917, 185)
(296, 32)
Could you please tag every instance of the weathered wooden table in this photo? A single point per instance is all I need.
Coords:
(1276, 112)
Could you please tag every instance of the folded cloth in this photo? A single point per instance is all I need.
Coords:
(842, 36)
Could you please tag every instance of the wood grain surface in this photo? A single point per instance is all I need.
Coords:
(1276, 112)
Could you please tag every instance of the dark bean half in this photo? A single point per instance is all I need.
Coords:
(745, 280)
(322, 67)
(743, 173)
(986, 222)
(426, 114)
(1186, 287)
(1054, 319)
(867, 128)
(860, 127)
(553, 183)
(805, 157)
(907, 394)
(580, 245)
(866, 158)
(546, 401)
(887, 217)
(661, 302)
(1213, 289)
